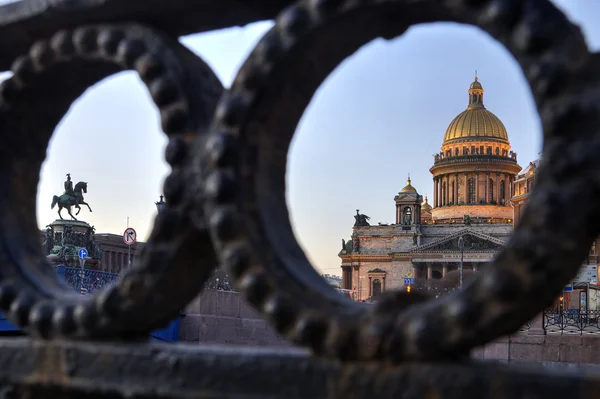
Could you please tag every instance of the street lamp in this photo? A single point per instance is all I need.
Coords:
(461, 247)
(160, 205)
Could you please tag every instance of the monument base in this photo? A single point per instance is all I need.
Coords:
(64, 238)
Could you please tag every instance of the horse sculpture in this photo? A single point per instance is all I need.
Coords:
(68, 201)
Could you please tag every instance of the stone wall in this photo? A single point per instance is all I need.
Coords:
(548, 349)
(224, 317)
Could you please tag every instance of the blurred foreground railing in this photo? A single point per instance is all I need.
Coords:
(225, 206)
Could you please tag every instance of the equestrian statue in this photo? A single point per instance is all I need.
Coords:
(71, 197)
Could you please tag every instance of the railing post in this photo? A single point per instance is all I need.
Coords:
(537, 325)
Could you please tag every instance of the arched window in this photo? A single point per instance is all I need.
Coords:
(502, 192)
(491, 183)
(497, 151)
(376, 287)
(456, 151)
(407, 216)
(452, 192)
(471, 191)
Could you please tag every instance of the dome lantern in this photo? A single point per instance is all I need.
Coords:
(476, 123)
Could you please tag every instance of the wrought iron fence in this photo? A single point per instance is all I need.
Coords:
(85, 281)
(571, 321)
(226, 205)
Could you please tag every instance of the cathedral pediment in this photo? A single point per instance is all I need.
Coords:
(473, 242)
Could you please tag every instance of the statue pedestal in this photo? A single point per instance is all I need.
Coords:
(64, 238)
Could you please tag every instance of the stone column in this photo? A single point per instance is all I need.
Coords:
(498, 188)
(477, 187)
(370, 287)
(383, 282)
(444, 269)
(466, 189)
(456, 189)
(487, 187)
(435, 204)
(429, 271)
(448, 188)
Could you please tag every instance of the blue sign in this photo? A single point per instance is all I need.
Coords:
(569, 288)
(409, 280)
(83, 253)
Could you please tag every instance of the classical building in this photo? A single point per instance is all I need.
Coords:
(521, 189)
(473, 175)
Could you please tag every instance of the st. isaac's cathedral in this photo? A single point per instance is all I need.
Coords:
(473, 177)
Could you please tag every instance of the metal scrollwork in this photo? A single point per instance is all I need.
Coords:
(171, 270)
(243, 164)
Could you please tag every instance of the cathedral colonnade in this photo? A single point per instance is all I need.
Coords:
(472, 188)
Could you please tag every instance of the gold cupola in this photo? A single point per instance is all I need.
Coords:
(475, 123)
(408, 188)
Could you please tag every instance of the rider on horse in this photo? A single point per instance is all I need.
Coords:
(69, 189)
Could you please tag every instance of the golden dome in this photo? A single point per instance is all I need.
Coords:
(426, 205)
(408, 188)
(476, 123)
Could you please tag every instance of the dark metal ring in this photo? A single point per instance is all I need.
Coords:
(244, 161)
(178, 257)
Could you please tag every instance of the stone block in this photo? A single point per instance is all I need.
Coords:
(497, 351)
(525, 352)
(207, 303)
(209, 329)
(228, 303)
(550, 353)
(574, 354)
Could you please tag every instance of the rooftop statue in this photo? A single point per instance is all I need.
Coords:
(361, 220)
(71, 197)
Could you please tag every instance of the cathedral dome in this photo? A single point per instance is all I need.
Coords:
(426, 206)
(408, 188)
(476, 123)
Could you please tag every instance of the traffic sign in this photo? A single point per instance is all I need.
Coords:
(83, 253)
(129, 236)
(408, 274)
(569, 288)
(409, 281)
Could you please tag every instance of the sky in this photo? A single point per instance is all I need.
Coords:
(379, 116)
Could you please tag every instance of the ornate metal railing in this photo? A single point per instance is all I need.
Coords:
(226, 204)
(85, 281)
(571, 321)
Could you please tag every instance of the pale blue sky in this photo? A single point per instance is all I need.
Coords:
(379, 116)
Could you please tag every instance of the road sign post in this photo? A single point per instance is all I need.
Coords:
(129, 238)
(82, 253)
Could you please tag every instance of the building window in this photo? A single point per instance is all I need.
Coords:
(593, 250)
(481, 150)
(376, 287)
(471, 191)
(502, 192)
(407, 216)
(497, 151)
(491, 183)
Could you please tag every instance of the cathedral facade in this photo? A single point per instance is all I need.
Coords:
(470, 220)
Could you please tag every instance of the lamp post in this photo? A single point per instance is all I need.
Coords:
(461, 247)
(160, 205)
